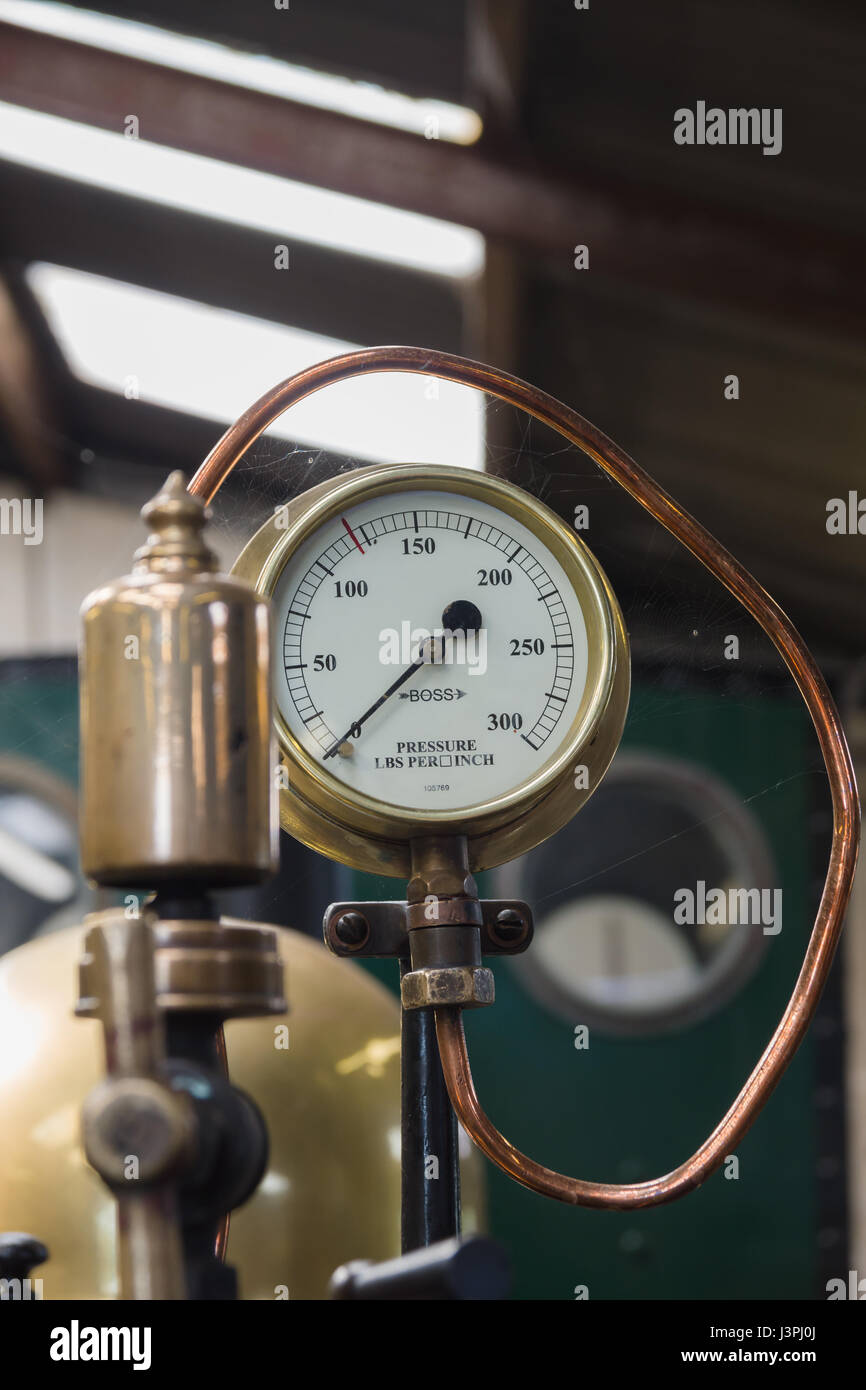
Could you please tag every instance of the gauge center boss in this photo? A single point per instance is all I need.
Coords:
(449, 657)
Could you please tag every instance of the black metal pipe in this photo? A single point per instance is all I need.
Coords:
(429, 1154)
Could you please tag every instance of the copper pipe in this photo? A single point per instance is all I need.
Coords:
(221, 1244)
(797, 657)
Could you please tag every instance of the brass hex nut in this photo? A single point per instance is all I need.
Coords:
(442, 881)
(466, 986)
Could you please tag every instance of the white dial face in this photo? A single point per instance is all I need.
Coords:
(430, 651)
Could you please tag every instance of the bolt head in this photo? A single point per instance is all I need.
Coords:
(352, 930)
(510, 927)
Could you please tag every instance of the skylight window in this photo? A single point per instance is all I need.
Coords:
(214, 363)
(246, 197)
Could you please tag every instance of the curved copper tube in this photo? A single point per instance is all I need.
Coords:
(846, 809)
(221, 1244)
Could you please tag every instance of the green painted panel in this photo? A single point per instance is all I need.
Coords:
(39, 714)
(626, 1109)
(631, 1109)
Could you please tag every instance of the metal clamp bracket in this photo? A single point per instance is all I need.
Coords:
(382, 928)
(444, 938)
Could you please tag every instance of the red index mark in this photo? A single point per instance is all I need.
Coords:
(352, 534)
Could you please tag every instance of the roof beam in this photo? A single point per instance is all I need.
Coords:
(656, 239)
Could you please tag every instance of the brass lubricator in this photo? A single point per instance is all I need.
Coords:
(176, 729)
(177, 796)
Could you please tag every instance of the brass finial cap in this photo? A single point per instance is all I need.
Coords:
(176, 520)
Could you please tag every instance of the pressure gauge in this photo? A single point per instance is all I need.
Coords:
(448, 658)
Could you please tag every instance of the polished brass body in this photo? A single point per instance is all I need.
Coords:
(327, 1079)
(176, 743)
(365, 833)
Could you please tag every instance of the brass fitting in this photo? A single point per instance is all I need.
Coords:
(443, 919)
(137, 1131)
(463, 986)
(226, 967)
(440, 869)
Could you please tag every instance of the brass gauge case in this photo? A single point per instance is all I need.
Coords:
(364, 833)
(177, 754)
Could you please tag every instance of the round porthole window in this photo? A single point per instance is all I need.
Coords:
(649, 906)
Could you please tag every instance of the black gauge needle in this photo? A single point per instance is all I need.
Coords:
(395, 685)
(460, 616)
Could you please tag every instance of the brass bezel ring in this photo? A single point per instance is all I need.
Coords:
(366, 833)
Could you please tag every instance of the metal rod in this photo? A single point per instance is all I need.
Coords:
(430, 1163)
